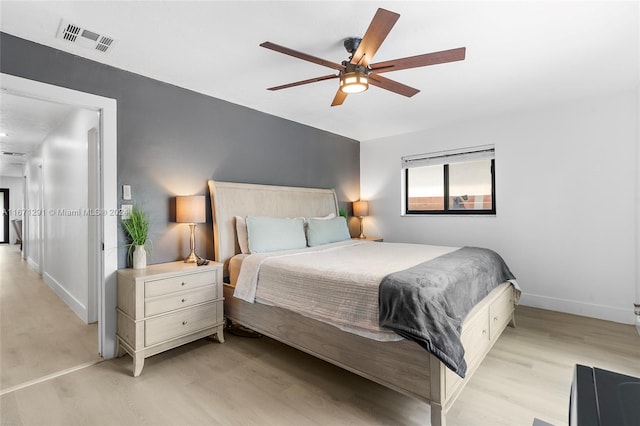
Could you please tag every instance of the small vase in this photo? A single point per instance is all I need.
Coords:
(139, 258)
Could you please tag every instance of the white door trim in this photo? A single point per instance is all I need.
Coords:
(109, 203)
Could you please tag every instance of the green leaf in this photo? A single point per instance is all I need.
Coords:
(137, 229)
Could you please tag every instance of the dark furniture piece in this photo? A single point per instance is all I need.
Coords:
(603, 398)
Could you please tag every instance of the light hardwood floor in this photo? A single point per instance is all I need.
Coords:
(39, 333)
(249, 381)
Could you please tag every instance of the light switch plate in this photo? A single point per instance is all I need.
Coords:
(126, 210)
(126, 192)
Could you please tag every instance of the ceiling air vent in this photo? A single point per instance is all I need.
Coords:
(82, 37)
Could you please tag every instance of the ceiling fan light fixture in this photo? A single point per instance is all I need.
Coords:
(353, 82)
(354, 72)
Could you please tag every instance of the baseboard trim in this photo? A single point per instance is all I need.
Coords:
(69, 299)
(33, 264)
(604, 312)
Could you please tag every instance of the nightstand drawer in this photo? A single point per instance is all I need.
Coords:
(184, 282)
(182, 323)
(182, 299)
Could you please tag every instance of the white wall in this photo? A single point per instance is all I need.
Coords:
(564, 194)
(58, 228)
(16, 201)
(32, 245)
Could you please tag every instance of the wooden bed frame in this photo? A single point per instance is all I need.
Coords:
(403, 365)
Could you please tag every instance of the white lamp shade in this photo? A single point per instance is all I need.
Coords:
(190, 209)
(360, 208)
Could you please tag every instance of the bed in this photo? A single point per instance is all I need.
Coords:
(399, 364)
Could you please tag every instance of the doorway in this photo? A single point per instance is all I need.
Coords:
(4, 202)
(106, 230)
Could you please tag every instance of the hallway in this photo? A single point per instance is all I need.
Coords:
(39, 334)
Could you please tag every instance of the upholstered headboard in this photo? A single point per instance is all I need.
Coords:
(230, 199)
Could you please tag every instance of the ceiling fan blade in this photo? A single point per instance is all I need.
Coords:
(339, 98)
(300, 83)
(420, 60)
(300, 55)
(378, 30)
(391, 85)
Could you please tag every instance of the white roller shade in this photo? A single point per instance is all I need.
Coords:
(485, 152)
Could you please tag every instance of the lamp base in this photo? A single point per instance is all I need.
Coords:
(362, 236)
(193, 257)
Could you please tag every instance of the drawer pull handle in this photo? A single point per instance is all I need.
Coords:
(183, 283)
(495, 318)
(184, 300)
(484, 332)
(184, 322)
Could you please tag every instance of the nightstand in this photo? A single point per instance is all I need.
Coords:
(378, 239)
(167, 305)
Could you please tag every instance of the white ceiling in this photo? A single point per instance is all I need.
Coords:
(27, 123)
(520, 55)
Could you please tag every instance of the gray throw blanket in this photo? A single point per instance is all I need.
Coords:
(428, 302)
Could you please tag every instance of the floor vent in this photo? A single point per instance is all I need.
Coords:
(82, 37)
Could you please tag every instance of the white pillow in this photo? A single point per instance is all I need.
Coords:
(329, 216)
(241, 233)
(267, 234)
(325, 231)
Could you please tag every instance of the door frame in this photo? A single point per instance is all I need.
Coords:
(107, 262)
(6, 219)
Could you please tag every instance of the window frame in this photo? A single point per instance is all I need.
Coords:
(447, 210)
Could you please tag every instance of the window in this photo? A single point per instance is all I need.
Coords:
(451, 182)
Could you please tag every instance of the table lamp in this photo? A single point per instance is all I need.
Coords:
(190, 209)
(361, 209)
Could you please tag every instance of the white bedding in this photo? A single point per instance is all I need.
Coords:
(334, 283)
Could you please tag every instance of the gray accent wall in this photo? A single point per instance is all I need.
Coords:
(172, 140)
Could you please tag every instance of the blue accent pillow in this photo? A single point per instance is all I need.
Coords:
(267, 234)
(325, 231)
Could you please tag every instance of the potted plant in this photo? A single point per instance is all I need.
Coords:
(137, 229)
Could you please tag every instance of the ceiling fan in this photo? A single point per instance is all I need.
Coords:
(358, 72)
